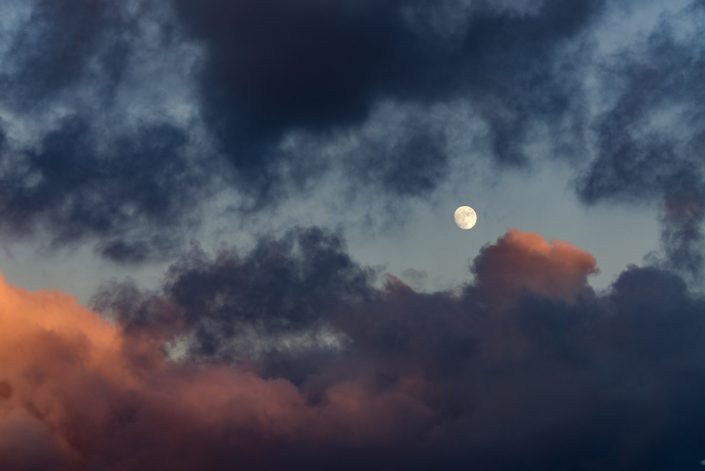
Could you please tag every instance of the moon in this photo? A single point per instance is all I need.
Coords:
(465, 218)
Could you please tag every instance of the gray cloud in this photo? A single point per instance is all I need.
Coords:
(649, 140)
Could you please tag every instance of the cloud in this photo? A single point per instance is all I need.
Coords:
(525, 262)
(81, 393)
(273, 67)
(559, 376)
(281, 286)
(53, 45)
(90, 151)
(649, 139)
(120, 118)
(75, 188)
(264, 98)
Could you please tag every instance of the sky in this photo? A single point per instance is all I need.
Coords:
(227, 236)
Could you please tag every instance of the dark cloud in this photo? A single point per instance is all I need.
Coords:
(412, 165)
(266, 73)
(282, 286)
(650, 140)
(556, 377)
(82, 182)
(274, 66)
(85, 154)
(268, 69)
(61, 44)
(292, 355)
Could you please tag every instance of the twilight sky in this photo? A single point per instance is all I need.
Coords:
(227, 238)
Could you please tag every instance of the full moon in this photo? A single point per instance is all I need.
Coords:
(465, 218)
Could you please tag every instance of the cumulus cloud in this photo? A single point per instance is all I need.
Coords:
(553, 376)
(525, 262)
(79, 392)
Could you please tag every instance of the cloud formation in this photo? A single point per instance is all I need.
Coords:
(273, 66)
(213, 93)
(77, 392)
(608, 381)
(649, 140)
(258, 100)
(95, 144)
(522, 262)
(121, 119)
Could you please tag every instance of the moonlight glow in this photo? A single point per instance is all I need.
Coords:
(465, 218)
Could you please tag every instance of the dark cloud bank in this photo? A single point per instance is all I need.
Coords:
(275, 65)
(525, 367)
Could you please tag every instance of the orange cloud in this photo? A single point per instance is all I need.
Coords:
(526, 262)
(74, 395)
